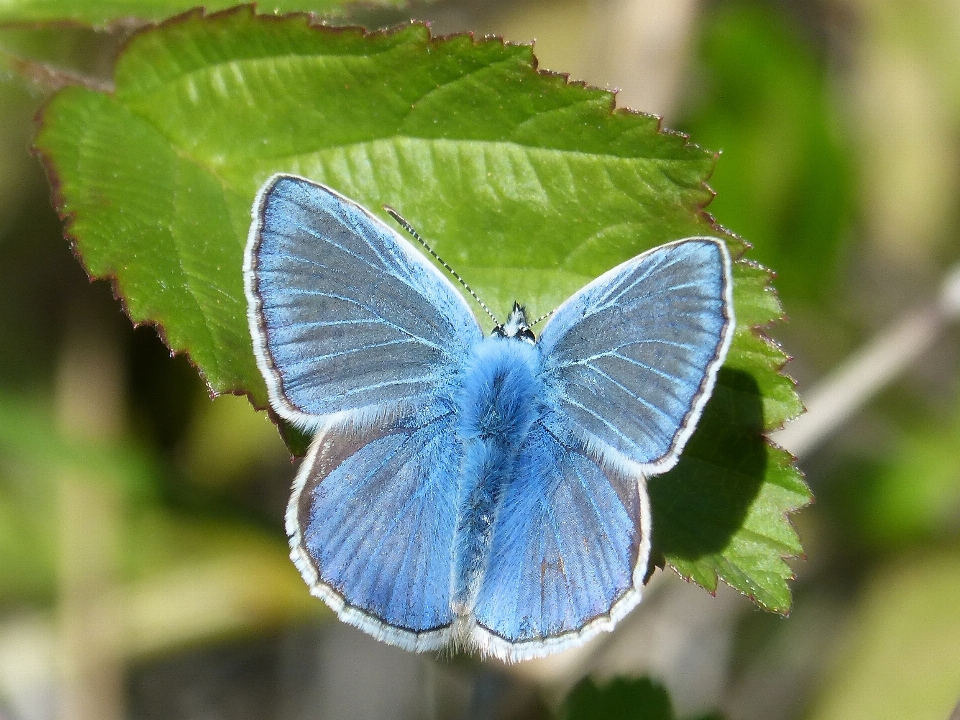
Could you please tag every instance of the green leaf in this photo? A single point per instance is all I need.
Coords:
(529, 185)
(621, 699)
(101, 13)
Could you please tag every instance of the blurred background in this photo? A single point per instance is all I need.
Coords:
(143, 564)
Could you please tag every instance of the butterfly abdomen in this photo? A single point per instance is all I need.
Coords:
(498, 403)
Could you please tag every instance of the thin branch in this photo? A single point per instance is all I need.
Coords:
(859, 378)
(49, 77)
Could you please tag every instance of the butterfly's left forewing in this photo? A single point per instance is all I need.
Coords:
(345, 315)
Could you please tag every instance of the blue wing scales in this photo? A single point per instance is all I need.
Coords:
(632, 358)
(344, 313)
(570, 546)
(372, 521)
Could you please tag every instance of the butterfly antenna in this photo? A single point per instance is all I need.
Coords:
(541, 318)
(409, 228)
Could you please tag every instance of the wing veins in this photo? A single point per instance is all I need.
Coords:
(662, 291)
(615, 352)
(351, 231)
(651, 368)
(384, 264)
(342, 353)
(356, 527)
(299, 258)
(609, 301)
(371, 559)
(659, 341)
(624, 289)
(357, 303)
(334, 323)
(631, 393)
(560, 567)
(366, 388)
(568, 399)
(602, 516)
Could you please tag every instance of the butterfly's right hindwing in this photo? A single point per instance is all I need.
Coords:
(371, 523)
(570, 547)
(344, 313)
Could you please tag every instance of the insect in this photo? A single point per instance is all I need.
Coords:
(487, 493)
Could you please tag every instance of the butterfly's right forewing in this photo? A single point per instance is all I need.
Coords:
(345, 315)
(631, 359)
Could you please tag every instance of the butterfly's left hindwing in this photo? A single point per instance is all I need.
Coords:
(372, 521)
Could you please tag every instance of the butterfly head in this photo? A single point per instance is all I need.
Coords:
(516, 326)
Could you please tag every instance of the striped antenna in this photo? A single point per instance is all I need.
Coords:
(542, 318)
(409, 228)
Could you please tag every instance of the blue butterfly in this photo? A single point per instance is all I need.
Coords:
(487, 493)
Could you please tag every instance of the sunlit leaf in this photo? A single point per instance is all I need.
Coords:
(529, 185)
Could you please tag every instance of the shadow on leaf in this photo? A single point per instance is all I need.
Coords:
(699, 505)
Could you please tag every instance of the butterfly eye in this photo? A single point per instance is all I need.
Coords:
(498, 331)
(526, 334)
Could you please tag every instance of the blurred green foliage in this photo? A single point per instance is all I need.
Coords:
(915, 495)
(115, 12)
(784, 182)
(905, 631)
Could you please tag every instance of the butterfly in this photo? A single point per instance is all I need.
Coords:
(487, 493)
